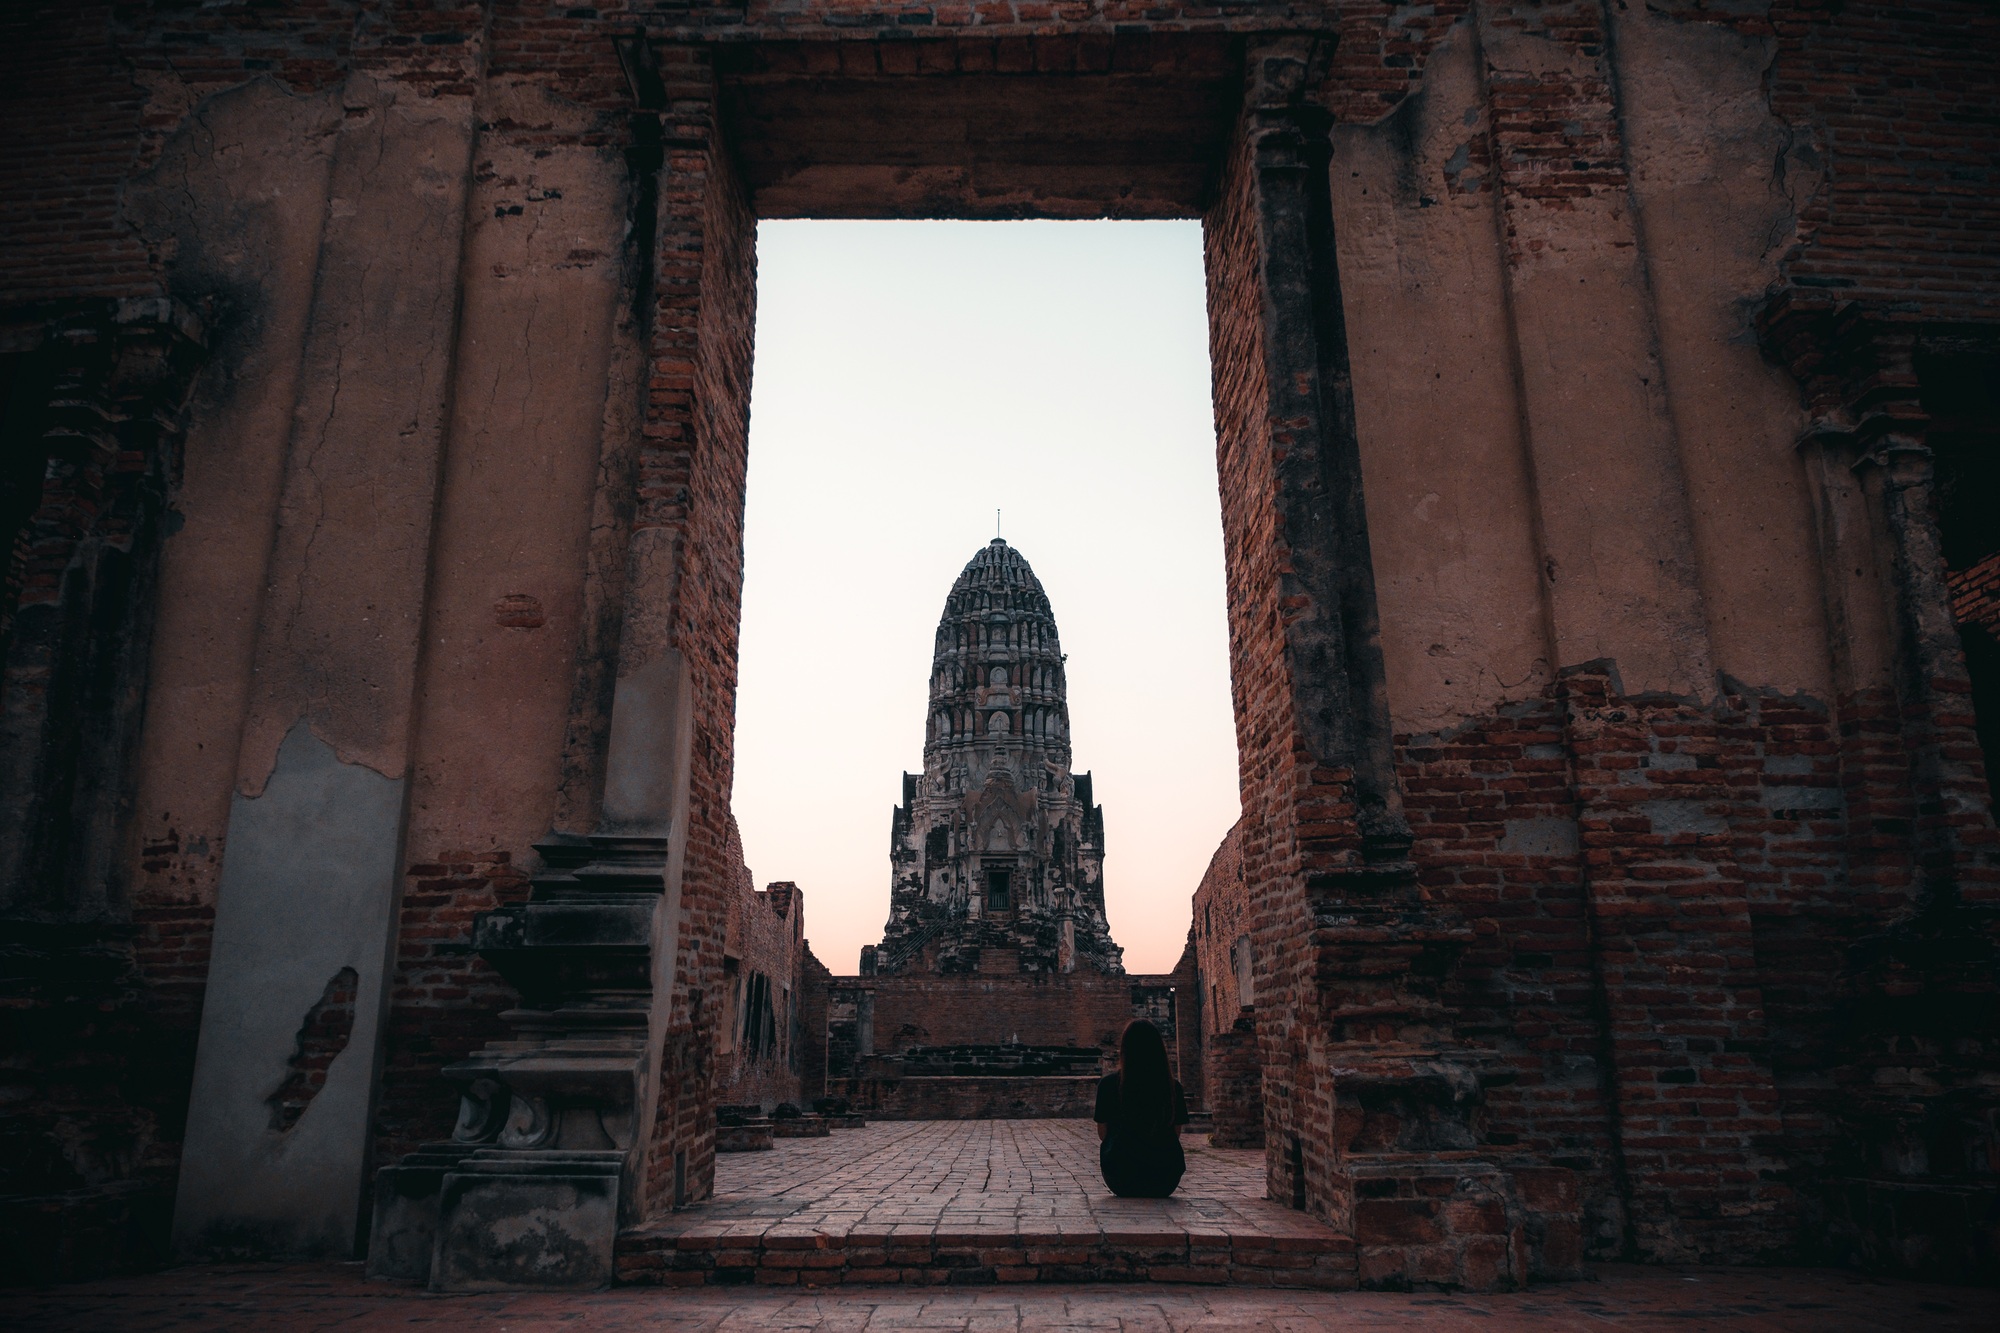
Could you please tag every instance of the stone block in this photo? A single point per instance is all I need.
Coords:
(404, 1229)
(527, 1219)
(1396, 1222)
(1482, 1217)
(798, 1127)
(1546, 1189)
(744, 1138)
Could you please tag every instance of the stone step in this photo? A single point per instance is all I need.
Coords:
(691, 1250)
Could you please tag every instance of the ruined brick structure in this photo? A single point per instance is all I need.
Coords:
(1225, 979)
(997, 851)
(1605, 421)
(761, 1051)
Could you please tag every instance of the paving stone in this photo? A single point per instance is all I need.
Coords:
(994, 1200)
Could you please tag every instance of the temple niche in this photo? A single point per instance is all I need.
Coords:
(997, 850)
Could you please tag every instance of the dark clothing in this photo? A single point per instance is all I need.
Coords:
(1139, 1161)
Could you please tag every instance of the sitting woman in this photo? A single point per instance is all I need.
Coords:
(1140, 1110)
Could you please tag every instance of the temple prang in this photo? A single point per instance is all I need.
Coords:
(997, 850)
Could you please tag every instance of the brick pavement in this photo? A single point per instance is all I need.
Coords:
(930, 1202)
(1627, 1298)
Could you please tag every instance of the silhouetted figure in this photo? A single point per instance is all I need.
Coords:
(1140, 1110)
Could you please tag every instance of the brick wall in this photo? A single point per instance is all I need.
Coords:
(1890, 93)
(445, 1001)
(1223, 911)
(74, 109)
(1234, 1075)
(1267, 744)
(1882, 90)
(764, 982)
(690, 493)
(969, 1098)
(1975, 595)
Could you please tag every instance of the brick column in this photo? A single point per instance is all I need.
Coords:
(1662, 772)
(1914, 929)
(93, 425)
(1348, 956)
(598, 1111)
(685, 578)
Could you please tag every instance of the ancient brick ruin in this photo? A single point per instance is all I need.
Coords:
(1606, 424)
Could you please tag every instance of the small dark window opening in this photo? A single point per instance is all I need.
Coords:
(999, 891)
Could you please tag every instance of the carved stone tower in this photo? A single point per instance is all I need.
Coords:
(997, 851)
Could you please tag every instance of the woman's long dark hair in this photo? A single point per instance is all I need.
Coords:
(1145, 1087)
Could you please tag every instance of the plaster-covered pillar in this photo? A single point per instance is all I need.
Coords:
(1348, 955)
(1645, 725)
(284, 1083)
(597, 1113)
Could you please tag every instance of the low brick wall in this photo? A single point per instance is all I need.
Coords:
(1236, 1087)
(974, 1098)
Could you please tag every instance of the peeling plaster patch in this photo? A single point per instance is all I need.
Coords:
(1671, 817)
(518, 610)
(1540, 837)
(324, 1034)
(308, 893)
(1804, 802)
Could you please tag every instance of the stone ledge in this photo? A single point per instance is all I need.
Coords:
(698, 1256)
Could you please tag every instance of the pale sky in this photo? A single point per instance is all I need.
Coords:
(911, 378)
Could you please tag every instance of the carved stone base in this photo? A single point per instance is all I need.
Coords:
(528, 1192)
(527, 1219)
(404, 1230)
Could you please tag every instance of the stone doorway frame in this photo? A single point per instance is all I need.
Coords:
(727, 132)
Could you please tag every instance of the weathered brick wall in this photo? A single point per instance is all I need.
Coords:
(1575, 851)
(445, 1001)
(75, 109)
(1234, 1074)
(815, 983)
(763, 951)
(1223, 920)
(969, 1098)
(1904, 214)
(1267, 743)
(1975, 595)
(691, 473)
(1890, 94)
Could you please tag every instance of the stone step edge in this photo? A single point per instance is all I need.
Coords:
(1312, 1262)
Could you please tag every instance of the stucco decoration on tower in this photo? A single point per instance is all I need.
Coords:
(997, 850)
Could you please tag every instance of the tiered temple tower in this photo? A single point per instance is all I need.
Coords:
(997, 851)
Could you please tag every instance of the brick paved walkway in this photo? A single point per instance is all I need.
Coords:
(934, 1201)
(1622, 1298)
